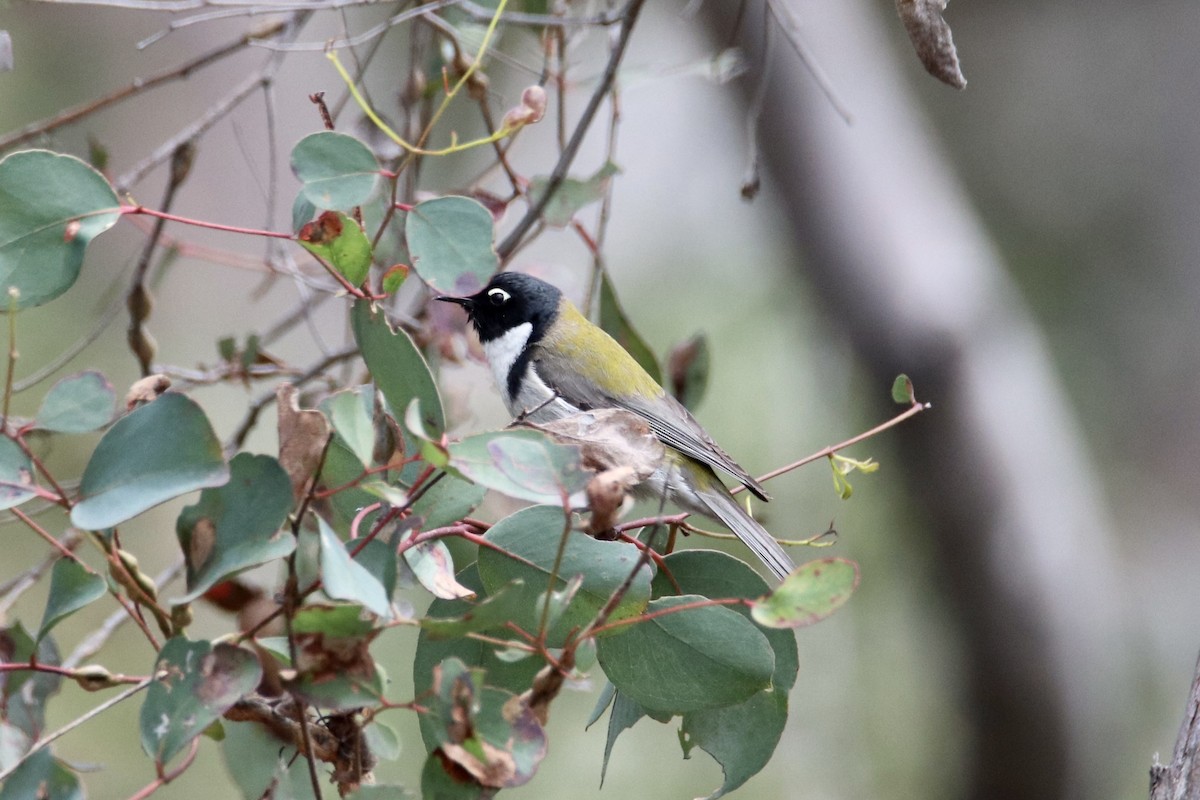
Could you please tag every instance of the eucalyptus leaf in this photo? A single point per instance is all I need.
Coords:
(197, 683)
(71, 588)
(77, 404)
(51, 207)
(525, 547)
(741, 738)
(343, 578)
(337, 170)
(236, 526)
(573, 194)
(703, 657)
(157, 452)
(450, 243)
(810, 594)
(524, 464)
(16, 475)
(397, 366)
(340, 241)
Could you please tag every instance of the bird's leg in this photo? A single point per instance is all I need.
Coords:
(529, 412)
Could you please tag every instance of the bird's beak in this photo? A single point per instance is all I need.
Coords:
(466, 302)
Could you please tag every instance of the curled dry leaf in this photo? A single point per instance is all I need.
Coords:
(146, 390)
(530, 110)
(931, 38)
(606, 497)
(302, 437)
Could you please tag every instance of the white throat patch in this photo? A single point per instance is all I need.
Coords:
(502, 353)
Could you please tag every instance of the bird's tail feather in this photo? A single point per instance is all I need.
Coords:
(724, 507)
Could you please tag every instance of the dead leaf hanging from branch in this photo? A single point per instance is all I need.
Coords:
(931, 37)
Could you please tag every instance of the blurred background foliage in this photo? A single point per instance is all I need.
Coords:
(1073, 148)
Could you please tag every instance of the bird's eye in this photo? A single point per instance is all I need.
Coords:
(498, 296)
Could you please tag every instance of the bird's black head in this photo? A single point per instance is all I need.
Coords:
(510, 299)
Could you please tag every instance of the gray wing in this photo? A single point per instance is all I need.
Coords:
(667, 417)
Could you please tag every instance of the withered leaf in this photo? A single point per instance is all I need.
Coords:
(302, 437)
(930, 36)
(145, 390)
(322, 230)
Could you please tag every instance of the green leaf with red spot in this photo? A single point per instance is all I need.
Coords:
(810, 594)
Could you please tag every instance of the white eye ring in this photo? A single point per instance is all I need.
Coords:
(498, 296)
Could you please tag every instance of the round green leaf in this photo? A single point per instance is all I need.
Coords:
(810, 594)
(397, 366)
(525, 464)
(71, 588)
(338, 171)
(704, 657)
(450, 243)
(159, 451)
(717, 575)
(51, 206)
(199, 683)
(16, 473)
(77, 404)
(741, 738)
(236, 526)
(528, 541)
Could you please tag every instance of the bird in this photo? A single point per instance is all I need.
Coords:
(549, 361)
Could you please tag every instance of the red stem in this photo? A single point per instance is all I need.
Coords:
(201, 223)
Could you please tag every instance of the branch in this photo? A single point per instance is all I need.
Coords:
(1180, 780)
(628, 17)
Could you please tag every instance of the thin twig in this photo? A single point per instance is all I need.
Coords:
(75, 723)
(138, 86)
(215, 113)
(628, 17)
(248, 422)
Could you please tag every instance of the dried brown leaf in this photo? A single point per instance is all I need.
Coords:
(930, 36)
(302, 437)
(146, 390)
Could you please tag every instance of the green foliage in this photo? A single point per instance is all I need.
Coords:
(704, 656)
(162, 450)
(72, 586)
(524, 464)
(318, 548)
(16, 475)
(77, 404)
(573, 194)
(51, 206)
(199, 681)
(810, 594)
(525, 548)
(338, 240)
(337, 171)
(450, 241)
(236, 526)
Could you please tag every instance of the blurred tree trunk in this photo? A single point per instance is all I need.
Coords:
(899, 260)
